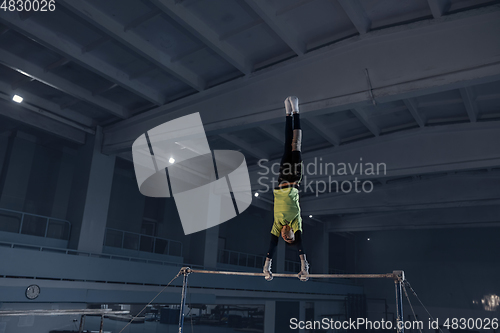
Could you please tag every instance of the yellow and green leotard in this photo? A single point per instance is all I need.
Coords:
(286, 210)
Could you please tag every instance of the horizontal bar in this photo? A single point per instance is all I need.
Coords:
(317, 276)
(88, 312)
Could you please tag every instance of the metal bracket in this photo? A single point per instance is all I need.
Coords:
(399, 276)
(185, 271)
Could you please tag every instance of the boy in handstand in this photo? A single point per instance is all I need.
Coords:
(287, 219)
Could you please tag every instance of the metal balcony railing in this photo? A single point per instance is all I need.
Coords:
(251, 260)
(39, 248)
(292, 266)
(336, 271)
(33, 224)
(139, 242)
(240, 259)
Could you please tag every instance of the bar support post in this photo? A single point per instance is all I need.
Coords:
(184, 271)
(82, 322)
(399, 277)
(102, 324)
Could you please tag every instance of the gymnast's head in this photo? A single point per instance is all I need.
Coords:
(287, 234)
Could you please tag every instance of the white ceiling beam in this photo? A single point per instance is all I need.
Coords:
(3, 29)
(357, 15)
(186, 53)
(439, 7)
(327, 133)
(104, 89)
(458, 190)
(417, 151)
(71, 51)
(267, 12)
(187, 2)
(459, 217)
(21, 81)
(241, 29)
(245, 146)
(139, 73)
(292, 6)
(136, 43)
(363, 118)
(347, 122)
(488, 97)
(14, 62)
(469, 99)
(411, 105)
(192, 23)
(141, 20)
(402, 126)
(20, 113)
(47, 105)
(340, 79)
(95, 44)
(272, 133)
(45, 113)
(61, 62)
(69, 104)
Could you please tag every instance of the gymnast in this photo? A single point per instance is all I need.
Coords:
(287, 219)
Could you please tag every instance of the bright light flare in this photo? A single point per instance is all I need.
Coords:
(17, 99)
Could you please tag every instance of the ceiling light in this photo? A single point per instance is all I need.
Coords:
(17, 99)
(256, 194)
(171, 160)
(368, 238)
(310, 216)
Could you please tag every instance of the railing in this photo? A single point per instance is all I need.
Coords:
(64, 251)
(346, 281)
(33, 224)
(93, 255)
(336, 271)
(240, 259)
(139, 242)
(292, 266)
(251, 260)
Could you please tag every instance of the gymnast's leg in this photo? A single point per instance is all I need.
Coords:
(286, 165)
(286, 171)
(304, 265)
(296, 155)
(297, 163)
